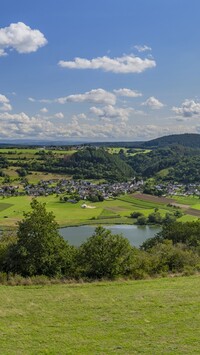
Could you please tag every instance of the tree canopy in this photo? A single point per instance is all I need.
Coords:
(39, 248)
(105, 255)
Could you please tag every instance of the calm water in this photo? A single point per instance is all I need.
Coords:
(136, 234)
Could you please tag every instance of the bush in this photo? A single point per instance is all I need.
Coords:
(141, 220)
(155, 218)
(105, 255)
(136, 214)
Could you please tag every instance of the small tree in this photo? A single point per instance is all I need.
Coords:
(105, 255)
(142, 220)
(39, 250)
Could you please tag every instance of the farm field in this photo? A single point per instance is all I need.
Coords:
(189, 205)
(116, 150)
(32, 151)
(113, 211)
(159, 316)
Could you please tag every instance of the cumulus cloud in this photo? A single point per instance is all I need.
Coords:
(31, 99)
(5, 103)
(44, 110)
(21, 125)
(59, 115)
(127, 92)
(111, 112)
(125, 64)
(20, 37)
(153, 103)
(142, 48)
(98, 96)
(189, 108)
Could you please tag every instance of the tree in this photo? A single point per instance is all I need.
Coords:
(105, 255)
(7, 240)
(39, 250)
(155, 217)
(142, 220)
(136, 214)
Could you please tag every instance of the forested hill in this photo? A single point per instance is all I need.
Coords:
(187, 140)
(177, 162)
(96, 163)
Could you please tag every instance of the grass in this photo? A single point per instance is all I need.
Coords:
(32, 151)
(116, 150)
(187, 200)
(67, 214)
(130, 317)
(4, 206)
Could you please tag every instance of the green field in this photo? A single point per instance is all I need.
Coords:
(159, 316)
(116, 150)
(33, 151)
(113, 211)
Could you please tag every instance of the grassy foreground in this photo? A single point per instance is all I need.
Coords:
(135, 317)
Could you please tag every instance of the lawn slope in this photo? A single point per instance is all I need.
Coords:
(135, 317)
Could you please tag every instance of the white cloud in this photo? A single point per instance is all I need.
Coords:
(98, 96)
(124, 64)
(20, 37)
(5, 103)
(31, 99)
(59, 115)
(111, 112)
(189, 108)
(45, 101)
(142, 48)
(127, 92)
(20, 125)
(44, 110)
(96, 111)
(153, 103)
(2, 53)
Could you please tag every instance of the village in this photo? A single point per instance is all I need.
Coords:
(74, 190)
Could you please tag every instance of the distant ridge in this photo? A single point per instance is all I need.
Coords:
(187, 140)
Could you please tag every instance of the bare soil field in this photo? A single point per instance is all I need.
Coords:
(150, 198)
(165, 200)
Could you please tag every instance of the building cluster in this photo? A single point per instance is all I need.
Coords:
(81, 188)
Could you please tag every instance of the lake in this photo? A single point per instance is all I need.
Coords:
(136, 234)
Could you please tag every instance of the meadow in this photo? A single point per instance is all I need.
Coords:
(159, 316)
(112, 211)
(116, 150)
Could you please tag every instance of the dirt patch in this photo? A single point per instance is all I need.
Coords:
(180, 205)
(166, 200)
(150, 198)
(193, 212)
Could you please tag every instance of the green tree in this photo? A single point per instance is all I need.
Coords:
(141, 220)
(105, 255)
(40, 250)
(155, 217)
(7, 240)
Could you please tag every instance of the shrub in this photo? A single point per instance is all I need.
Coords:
(105, 255)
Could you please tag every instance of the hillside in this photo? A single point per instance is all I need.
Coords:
(92, 163)
(187, 140)
(180, 163)
(131, 317)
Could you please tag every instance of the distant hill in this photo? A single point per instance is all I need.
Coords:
(191, 140)
(96, 163)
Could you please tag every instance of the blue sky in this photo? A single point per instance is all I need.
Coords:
(99, 70)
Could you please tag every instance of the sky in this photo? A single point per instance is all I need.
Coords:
(104, 70)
